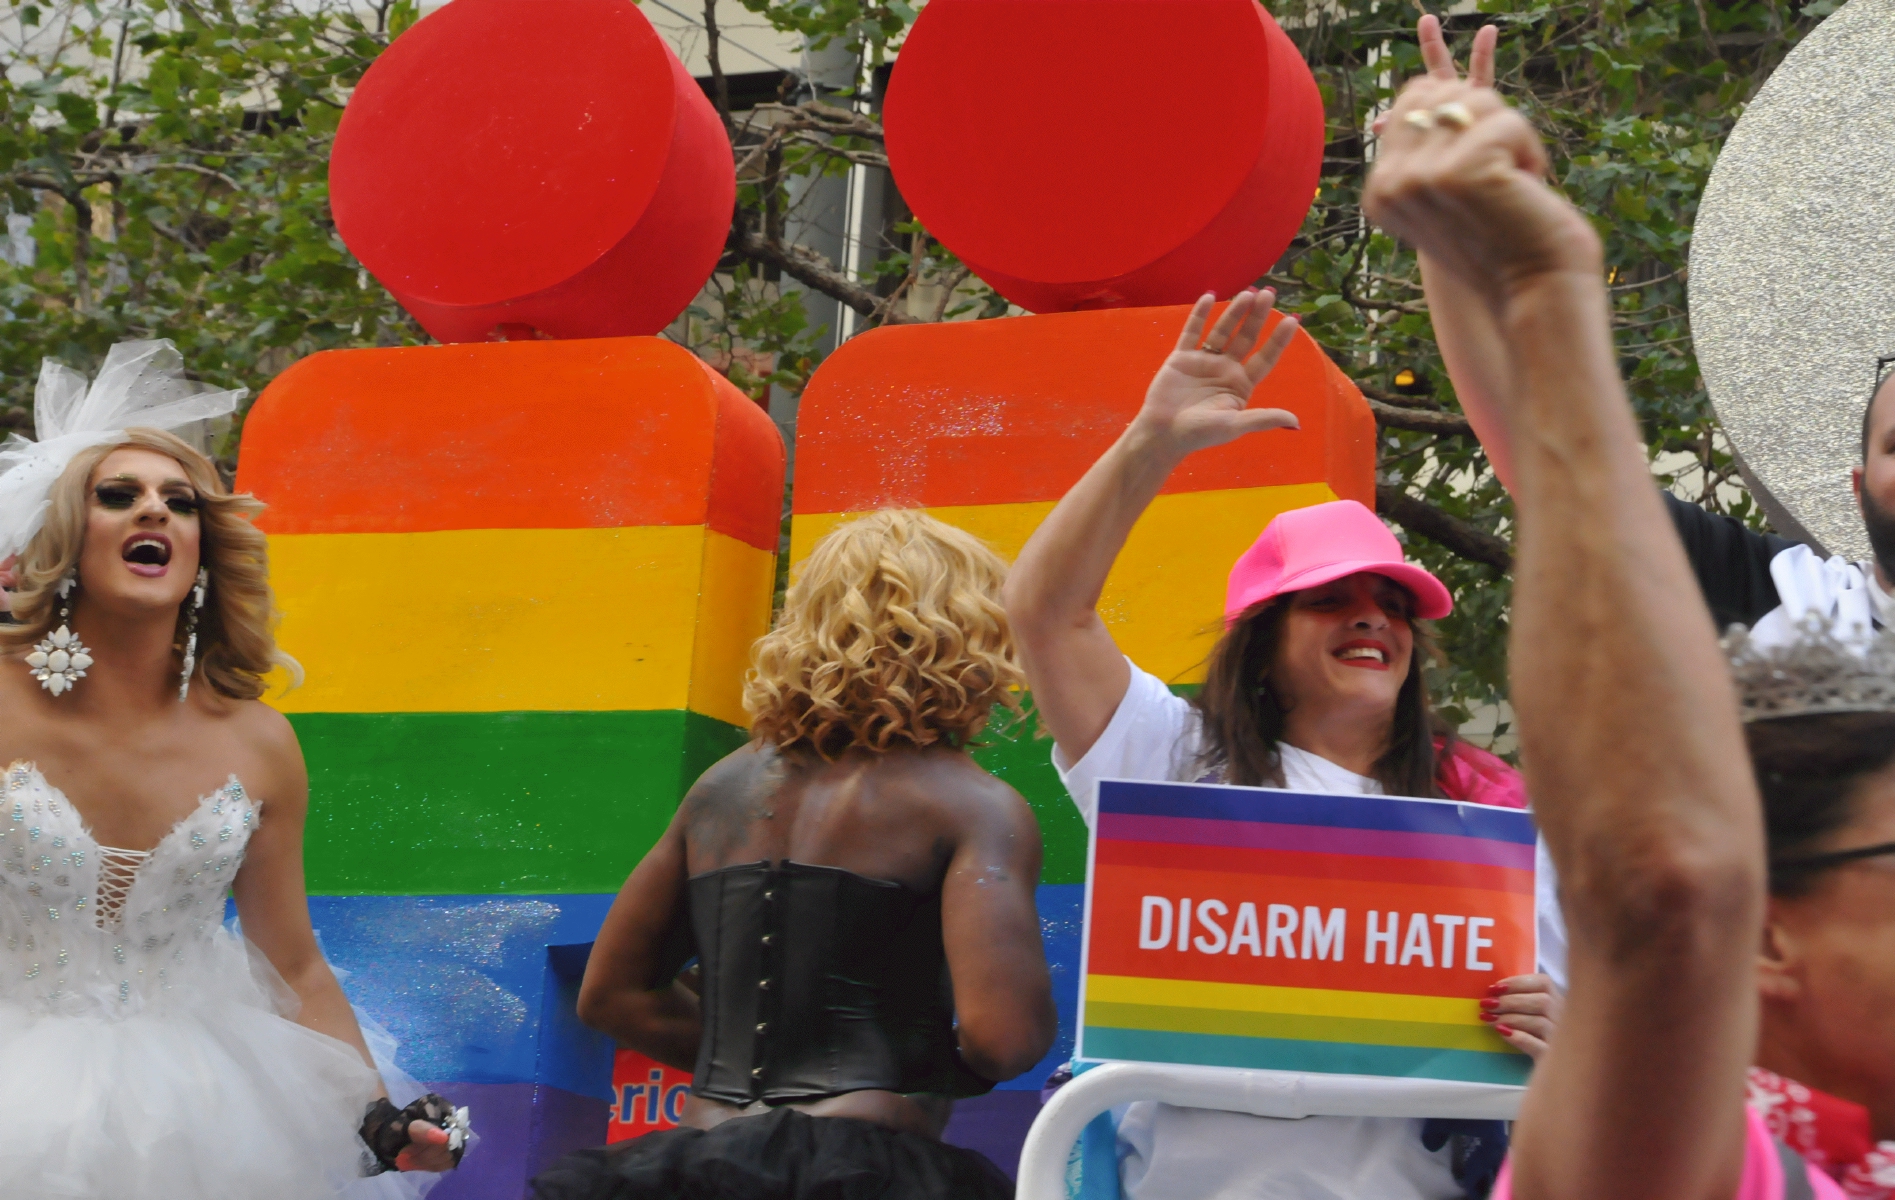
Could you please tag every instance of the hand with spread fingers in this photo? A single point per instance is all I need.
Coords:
(1200, 397)
(1461, 176)
(1524, 1009)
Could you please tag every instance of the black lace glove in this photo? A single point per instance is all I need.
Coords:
(385, 1128)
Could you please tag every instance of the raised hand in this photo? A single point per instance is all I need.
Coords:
(1461, 176)
(1439, 60)
(1200, 397)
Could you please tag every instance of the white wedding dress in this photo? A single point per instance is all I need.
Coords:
(145, 1050)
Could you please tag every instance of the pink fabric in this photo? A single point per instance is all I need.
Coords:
(1308, 547)
(1763, 1170)
(1473, 776)
(1831, 1134)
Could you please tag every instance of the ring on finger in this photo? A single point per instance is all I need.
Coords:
(1454, 115)
(1420, 118)
(1217, 349)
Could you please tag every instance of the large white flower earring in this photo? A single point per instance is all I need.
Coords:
(190, 632)
(61, 658)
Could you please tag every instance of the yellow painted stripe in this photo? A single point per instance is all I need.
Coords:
(1298, 1027)
(1164, 600)
(1312, 1002)
(739, 583)
(504, 620)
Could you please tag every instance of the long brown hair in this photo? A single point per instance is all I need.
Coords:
(1243, 714)
(236, 642)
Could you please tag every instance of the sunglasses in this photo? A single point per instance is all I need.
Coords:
(1822, 862)
(1884, 366)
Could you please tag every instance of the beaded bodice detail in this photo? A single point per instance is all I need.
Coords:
(86, 928)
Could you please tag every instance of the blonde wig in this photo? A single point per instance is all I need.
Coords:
(893, 637)
(235, 638)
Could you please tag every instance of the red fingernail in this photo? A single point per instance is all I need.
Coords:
(1486, 1016)
(1503, 1030)
(1497, 989)
(1490, 1005)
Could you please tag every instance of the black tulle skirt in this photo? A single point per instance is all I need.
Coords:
(782, 1155)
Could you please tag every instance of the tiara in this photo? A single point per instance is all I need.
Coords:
(1815, 674)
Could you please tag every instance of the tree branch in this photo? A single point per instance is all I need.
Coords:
(812, 269)
(1420, 517)
(720, 86)
(1419, 420)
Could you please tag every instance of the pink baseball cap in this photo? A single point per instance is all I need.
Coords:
(1308, 547)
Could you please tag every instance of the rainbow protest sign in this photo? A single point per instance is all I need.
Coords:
(1250, 927)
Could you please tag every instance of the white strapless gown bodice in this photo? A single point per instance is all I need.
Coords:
(145, 1052)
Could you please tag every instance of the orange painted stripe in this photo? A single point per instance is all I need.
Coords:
(604, 433)
(1118, 892)
(1013, 411)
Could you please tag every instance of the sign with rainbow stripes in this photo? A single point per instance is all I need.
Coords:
(1258, 928)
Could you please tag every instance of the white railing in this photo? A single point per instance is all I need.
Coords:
(1262, 1093)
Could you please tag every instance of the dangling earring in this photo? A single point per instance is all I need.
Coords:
(190, 632)
(61, 658)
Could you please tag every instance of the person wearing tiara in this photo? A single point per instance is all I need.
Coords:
(147, 1052)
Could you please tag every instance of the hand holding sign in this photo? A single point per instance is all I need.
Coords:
(1347, 934)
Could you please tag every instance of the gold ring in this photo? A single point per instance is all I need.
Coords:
(1454, 115)
(1421, 118)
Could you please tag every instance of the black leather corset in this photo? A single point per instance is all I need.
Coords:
(817, 982)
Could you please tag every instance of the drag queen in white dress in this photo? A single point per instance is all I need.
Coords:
(147, 1051)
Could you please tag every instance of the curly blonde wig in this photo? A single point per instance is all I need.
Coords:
(235, 638)
(893, 637)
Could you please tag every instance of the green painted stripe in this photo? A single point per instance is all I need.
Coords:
(483, 803)
(1300, 1027)
(494, 803)
(1329, 1058)
(1026, 763)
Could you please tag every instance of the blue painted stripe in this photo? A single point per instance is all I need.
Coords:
(479, 989)
(1280, 1054)
(1392, 813)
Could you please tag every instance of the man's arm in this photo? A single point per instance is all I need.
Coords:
(1628, 723)
(1731, 562)
(630, 990)
(990, 928)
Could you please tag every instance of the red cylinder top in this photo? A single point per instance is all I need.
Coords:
(499, 147)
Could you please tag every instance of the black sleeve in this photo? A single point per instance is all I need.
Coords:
(1732, 562)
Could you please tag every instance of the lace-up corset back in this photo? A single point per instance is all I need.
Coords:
(91, 928)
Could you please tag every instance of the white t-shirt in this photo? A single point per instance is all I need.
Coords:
(1169, 1153)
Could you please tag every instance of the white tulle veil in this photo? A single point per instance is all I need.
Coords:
(141, 384)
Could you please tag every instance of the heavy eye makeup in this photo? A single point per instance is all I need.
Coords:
(119, 495)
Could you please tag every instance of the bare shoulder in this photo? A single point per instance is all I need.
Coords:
(731, 776)
(269, 746)
(971, 793)
(21, 709)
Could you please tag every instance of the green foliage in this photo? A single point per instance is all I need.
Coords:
(865, 29)
(174, 159)
(1635, 100)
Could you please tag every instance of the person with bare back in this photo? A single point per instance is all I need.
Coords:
(858, 896)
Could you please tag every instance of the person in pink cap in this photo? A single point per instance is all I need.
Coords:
(1315, 685)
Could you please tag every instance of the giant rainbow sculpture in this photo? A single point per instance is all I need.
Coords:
(523, 571)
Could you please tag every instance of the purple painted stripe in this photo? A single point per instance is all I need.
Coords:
(1315, 839)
